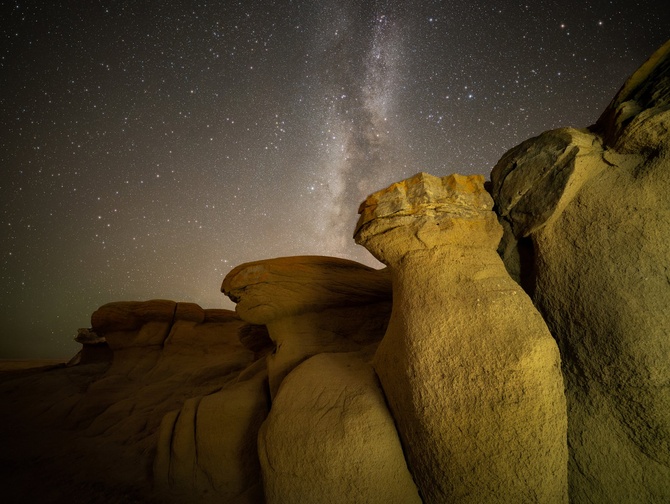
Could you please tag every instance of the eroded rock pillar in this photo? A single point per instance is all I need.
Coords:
(468, 366)
(587, 220)
(310, 305)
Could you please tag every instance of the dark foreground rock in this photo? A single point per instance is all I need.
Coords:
(91, 430)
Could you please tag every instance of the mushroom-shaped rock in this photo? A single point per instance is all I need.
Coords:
(329, 438)
(311, 304)
(470, 370)
(587, 231)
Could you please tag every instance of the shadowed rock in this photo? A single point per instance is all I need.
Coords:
(103, 422)
(310, 304)
(468, 366)
(94, 348)
(587, 232)
(207, 450)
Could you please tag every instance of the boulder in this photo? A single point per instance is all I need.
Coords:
(470, 370)
(330, 438)
(310, 304)
(587, 225)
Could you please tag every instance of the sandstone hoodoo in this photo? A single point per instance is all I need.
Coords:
(437, 379)
(587, 220)
(470, 370)
(311, 304)
(329, 436)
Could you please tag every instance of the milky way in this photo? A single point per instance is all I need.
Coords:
(361, 154)
(147, 149)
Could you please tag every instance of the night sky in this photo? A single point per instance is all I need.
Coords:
(146, 148)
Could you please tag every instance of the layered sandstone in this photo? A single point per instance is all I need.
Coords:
(329, 436)
(95, 426)
(470, 370)
(310, 305)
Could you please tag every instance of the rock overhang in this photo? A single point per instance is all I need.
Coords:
(272, 289)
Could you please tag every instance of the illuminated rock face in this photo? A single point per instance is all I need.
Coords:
(329, 438)
(469, 368)
(587, 231)
(310, 305)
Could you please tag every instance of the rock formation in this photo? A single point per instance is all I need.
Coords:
(310, 304)
(207, 450)
(434, 380)
(91, 430)
(587, 231)
(94, 348)
(469, 368)
(329, 436)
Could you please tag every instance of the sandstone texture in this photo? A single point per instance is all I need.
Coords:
(470, 370)
(94, 348)
(310, 305)
(330, 438)
(587, 232)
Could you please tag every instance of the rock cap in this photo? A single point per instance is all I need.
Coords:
(270, 289)
(424, 194)
(425, 212)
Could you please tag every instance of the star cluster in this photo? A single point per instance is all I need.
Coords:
(147, 148)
